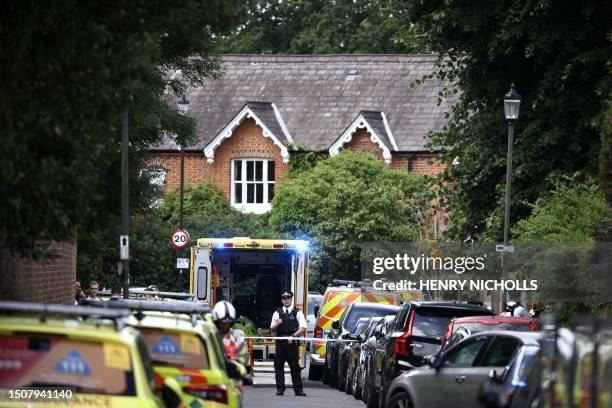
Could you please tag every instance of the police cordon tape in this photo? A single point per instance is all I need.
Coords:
(299, 339)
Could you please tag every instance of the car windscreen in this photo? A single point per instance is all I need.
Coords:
(175, 349)
(372, 326)
(358, 312)
(91, 367)
(361, 323)
(476, 327)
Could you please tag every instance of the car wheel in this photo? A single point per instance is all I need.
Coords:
(315, 372)
(372, 401)
(400, 400)
(348, 388)
(357, 384)
(341, 381)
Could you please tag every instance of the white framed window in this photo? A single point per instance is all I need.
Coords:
(252, 185)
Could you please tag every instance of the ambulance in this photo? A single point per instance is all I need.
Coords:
(337, 298)
(251, 274)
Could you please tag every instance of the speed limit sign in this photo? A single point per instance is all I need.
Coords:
(180, 238)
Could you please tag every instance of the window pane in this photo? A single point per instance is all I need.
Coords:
(270, 192)
(259, 193)
(237, 170)
(258, 171)
(501, 353)
(270, 170)
(250, 193)
(464, 356)
(250, 165)
(238, 193)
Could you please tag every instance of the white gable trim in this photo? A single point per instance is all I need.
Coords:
(280, 120)
(388, 129)
(228, 131)
(360, 123)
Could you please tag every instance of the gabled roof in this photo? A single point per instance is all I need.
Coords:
(378, 128)
(318, 96)
(266, 116)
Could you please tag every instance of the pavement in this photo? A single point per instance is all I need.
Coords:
(318, 395)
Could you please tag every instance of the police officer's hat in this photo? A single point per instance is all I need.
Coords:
(287, 294)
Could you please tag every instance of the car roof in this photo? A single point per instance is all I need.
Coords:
(493, 319)
(166, 320)
(527, 338)
(99, 330)
(370, 305)
(451, 305)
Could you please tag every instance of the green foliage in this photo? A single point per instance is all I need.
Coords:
(348, 200)
(302, 159)
(320, 27)
(572, 212)
(557, 53)
(69, 69)
(153, 258)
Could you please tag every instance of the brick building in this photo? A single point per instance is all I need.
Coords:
(262, 106)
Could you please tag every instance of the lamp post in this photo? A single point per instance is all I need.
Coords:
(183, 107)
(512, 104)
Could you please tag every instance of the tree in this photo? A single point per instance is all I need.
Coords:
(206, 214)
(348, 200)
(67, 70)
(319, 27)
(573, 211)
(557, 54)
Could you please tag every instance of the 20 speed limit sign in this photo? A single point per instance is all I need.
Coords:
(180, 238)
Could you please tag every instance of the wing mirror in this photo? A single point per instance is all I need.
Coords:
(495, 377)
(171, 393)
(433, 361)
(371, 342)
(336, 324)
(316, 310)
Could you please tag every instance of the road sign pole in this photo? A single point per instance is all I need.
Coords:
(125, 216)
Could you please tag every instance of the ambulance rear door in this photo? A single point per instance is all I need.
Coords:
(201, 274)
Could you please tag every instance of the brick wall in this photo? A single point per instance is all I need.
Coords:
(247, 141)
(426, 163)
(360, 142)
(50, 281)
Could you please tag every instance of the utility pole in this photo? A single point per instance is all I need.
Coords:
(125, 206)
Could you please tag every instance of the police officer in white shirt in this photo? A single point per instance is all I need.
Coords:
(288, 321)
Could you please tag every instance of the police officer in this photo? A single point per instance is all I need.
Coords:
(288, 321)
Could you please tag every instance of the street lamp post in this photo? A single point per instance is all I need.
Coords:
(183, 106)
(512, 104)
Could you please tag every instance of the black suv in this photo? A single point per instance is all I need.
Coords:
(341, 329)
(415, 333)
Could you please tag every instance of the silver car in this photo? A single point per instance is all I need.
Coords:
(454, 378)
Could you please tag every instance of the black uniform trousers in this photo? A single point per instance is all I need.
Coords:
(289, 352)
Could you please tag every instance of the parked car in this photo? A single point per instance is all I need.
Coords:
(454, 378)
(356, 358)
(462, 327)
(517, 385)
(369, 365)
(342, 327)
(415, 333)
(314, 303)
(334, 304)
(344, 351)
